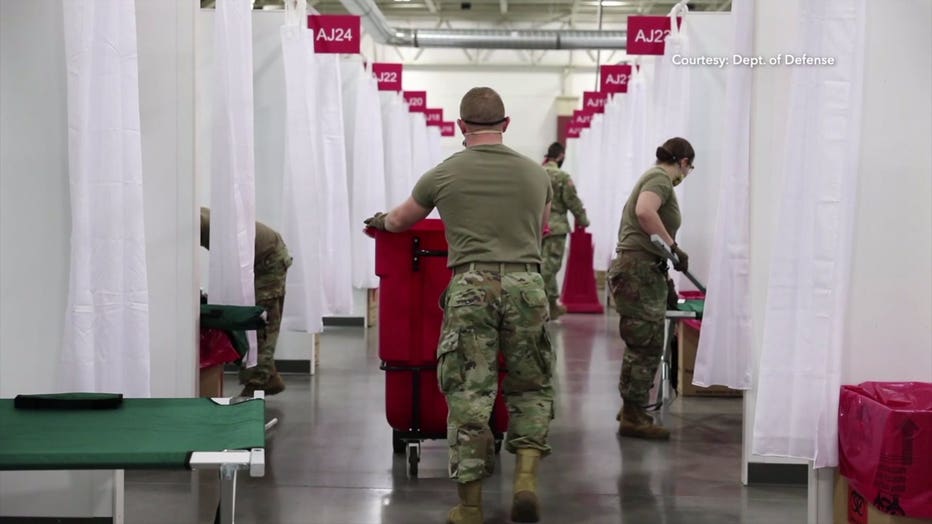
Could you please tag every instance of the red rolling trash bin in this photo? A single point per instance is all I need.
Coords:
(412, 270)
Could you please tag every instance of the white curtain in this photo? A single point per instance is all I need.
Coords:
(420, 149)
(724, 350)
(302, 197)
(365, 164)
(396, 136)
(233, 182)
(641, 99)
(799, 377)
(587, 178)
(433, 140)
(630, 113)
(336, 263)
(600, 170)
(106, 339)
(579, 166)
(671, 102)
(671, 83)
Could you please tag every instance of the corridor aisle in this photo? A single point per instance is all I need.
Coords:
(330, 458)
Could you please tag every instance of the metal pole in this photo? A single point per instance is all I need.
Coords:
(598, 53)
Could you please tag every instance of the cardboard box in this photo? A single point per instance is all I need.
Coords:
(372, 312)
(852, 508)
(600, 280)
(211, 382)
(688, 339)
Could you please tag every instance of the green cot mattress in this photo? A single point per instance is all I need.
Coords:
(157, 433)
(696, 306)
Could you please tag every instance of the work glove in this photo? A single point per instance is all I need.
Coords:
(672, 298)
(683, 262)
(376, 221)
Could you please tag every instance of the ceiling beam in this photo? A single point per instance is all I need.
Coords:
(431, 6)
(503, 5)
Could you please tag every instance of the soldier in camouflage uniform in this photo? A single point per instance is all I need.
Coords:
(271, 265)
(554, 244)
(494, 203)
(640, 285)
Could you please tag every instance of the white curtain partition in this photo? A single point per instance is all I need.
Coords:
(630, 110)
(797, 400)
(600, 166)
(233, 177)
(644, 140)
(420, 149)
(671, 104)
(433, 140)
(106, 339)
(723, 356)
(365, 164)
(336, 264)
(302, 198)
(396, 136)
(586, 177)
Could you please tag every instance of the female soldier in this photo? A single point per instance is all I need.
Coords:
(639, 281)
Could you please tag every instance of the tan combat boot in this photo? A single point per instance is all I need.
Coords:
(635, 422)
(469, 510)
(273, 386)
(525, 506)
(641, 415)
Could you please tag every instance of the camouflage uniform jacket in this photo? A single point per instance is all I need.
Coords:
(564, 199)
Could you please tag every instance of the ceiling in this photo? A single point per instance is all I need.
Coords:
(577, 14)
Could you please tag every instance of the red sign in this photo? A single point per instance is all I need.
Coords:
(417, 101)
(614, 78)
(447, 129)
(581, 118)
(434, 117)
(594, 101)
(572, 130)
(335, 33)
(647, 34)
(388, 76)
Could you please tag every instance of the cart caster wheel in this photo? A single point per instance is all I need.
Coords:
(498, 446)
(398, 445)
(414, 456)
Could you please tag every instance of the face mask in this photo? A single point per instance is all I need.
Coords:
(482, 132)
(560, 163)
(681, 175)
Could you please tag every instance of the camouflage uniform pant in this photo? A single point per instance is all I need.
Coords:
(270, 295)
(552, 250)
(485, 312)
(639, 288)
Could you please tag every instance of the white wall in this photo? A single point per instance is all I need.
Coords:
(35, 221)
(890, 310)
(529, 100)
(889, 328)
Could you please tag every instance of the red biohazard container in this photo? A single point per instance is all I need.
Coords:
(579, 294)
(885, 445)
(412, 270)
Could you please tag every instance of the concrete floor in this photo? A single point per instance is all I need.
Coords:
(330, 458)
